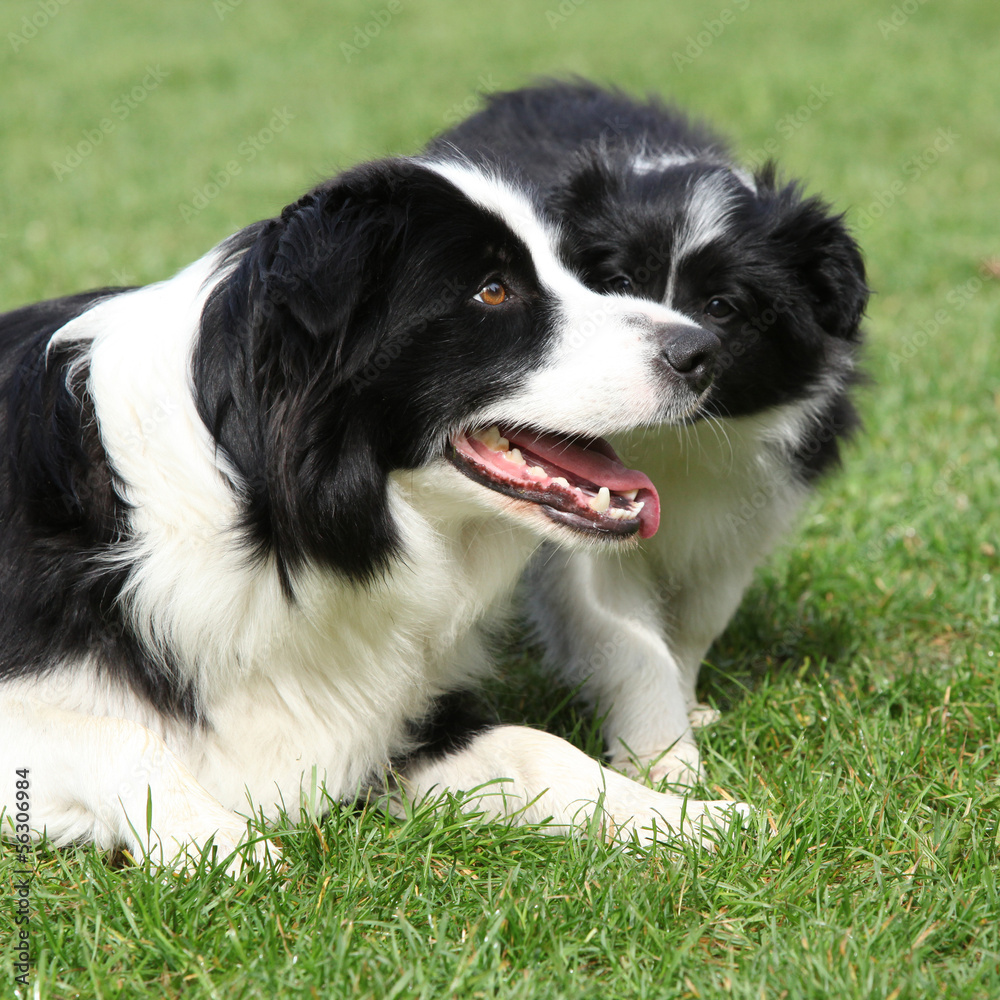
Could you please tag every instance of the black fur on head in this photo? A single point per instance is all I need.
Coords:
(345, 343)
(534, 131)
(820, 252)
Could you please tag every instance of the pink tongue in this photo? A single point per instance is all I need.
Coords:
(598, 463)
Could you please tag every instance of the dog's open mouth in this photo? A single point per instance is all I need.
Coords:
(580, 483)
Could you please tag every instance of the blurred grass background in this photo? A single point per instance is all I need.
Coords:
(859, 677)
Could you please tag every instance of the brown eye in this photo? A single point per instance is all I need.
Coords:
(720, 309)
(491, 294)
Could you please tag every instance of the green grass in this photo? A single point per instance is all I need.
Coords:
(859, 679)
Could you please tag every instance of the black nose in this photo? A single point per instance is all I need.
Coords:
(691, 352)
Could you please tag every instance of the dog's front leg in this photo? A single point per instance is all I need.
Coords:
(513, 772)
(95, 779)
(601, 622)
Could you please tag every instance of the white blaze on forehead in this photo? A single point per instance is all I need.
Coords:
(706, 219)
(648, 163)
(745, 177)
(706, 215)
(515, 209)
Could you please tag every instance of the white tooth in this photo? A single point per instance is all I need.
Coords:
(559, 481)
(515, 456)
(635, 510)
(602, 501)
(502, 444)
(537, 471)
(489, 437)
(617, 513)
(631, 495)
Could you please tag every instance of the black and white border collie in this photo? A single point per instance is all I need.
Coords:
(653, 209)
(253, 516)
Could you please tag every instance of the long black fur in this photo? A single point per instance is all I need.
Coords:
(62, 514)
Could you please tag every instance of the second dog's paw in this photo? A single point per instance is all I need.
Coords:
(700, 716)
(671, 818)
(679, 766)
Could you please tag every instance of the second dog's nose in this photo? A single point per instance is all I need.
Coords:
(691, 352)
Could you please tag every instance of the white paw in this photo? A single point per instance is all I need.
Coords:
(700, 716)
(229, 839)
(634, 811)
(179, 841)
(679, 766)
(675, 818)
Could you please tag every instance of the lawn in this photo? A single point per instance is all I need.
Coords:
(858, 681)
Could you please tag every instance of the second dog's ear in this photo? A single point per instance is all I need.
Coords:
(823, 254)
(831, 266)
(585, 201)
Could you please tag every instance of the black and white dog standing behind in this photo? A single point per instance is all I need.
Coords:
(254, 515)
(653, 207)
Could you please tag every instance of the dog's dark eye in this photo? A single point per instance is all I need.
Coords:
(491, 294)
(720, 309)
(619, 283)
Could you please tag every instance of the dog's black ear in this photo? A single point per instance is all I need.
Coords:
(293, 304)
(825, 257)
(282, 336)
(328, 265)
